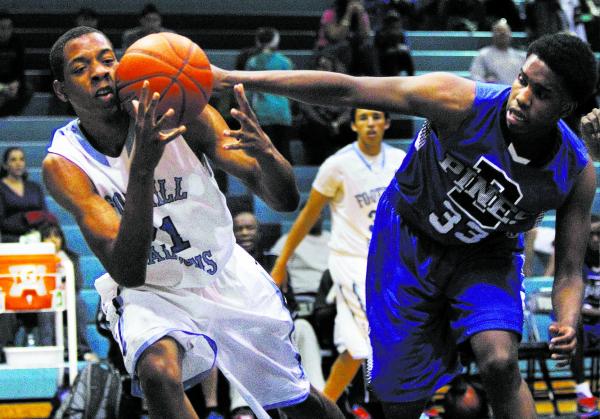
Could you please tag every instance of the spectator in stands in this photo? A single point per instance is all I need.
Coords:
(589, 329)
(345, 32)
(499, 62)
(52, 233)
(87, 16)
(502, 9)
(351, 182)
(273, 112)
(392, 47)
(572, 10)
(324, 129)
(22, 202)
(14, 91)
(150, 22)
(22, 212)
(461, 15)
(545, 17)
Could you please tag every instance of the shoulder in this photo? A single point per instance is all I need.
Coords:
(395, 153)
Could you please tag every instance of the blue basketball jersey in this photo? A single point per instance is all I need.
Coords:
(461, 189)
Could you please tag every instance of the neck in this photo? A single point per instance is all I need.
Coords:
(13, 179)
(369, 149)
(107, 135)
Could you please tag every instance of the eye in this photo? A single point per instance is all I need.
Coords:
(78, 70)
(522, 80)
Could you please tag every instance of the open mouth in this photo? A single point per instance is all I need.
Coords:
(517, 114)
(104, 91)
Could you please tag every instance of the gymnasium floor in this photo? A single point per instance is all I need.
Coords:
(564, 391)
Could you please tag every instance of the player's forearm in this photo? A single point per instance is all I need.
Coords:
(276, 183)
(132, 245)
(315, 87)
(567, 296)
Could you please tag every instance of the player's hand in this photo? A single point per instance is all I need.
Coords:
(250, 137)
(279, 274)
(562, 344)
(150, 137)
(590, 131)
(219, 78)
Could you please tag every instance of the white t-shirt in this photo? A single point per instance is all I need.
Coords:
(354, 182)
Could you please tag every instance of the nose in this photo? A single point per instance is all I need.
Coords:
(524, 97)
(100, 71)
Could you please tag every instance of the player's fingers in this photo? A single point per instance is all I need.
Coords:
(169, 135)
(143, 99)
(242, 100)
(165, 116)
(243, 119)
(151, 109)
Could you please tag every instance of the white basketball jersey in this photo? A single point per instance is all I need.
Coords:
(354, 185)
(193, 234)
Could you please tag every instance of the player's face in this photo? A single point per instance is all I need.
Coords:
(245, 229)
(15, 163)
(594, 243)
(89, 72)
(370, 126)
(537, 100)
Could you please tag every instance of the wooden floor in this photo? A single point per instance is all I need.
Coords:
(564, 391)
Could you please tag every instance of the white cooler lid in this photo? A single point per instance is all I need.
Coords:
(27, 249)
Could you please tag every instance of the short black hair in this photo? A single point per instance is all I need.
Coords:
(595, 218)
(57, 52)
(148, 9)
(572, 60)
(386, 114)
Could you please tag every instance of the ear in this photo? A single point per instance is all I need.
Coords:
(59, 90)
(353, 126)
(568, 108)
(388, 122)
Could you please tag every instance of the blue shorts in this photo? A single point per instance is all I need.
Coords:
(424, 299)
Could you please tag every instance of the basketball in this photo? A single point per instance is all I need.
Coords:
(175, 67)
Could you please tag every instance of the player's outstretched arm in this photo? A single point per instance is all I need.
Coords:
(307, 218)
(572, 232)
(246, 153)
(441, 97)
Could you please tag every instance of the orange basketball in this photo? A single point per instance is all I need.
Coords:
(175, 67)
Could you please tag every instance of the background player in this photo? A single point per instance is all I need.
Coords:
(147, 203)
(351, 182)
(445, 260)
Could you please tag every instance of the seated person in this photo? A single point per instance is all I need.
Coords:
(150, 22)
(14, 91)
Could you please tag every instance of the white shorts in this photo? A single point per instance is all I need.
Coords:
(351, 330)
(238, 323)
